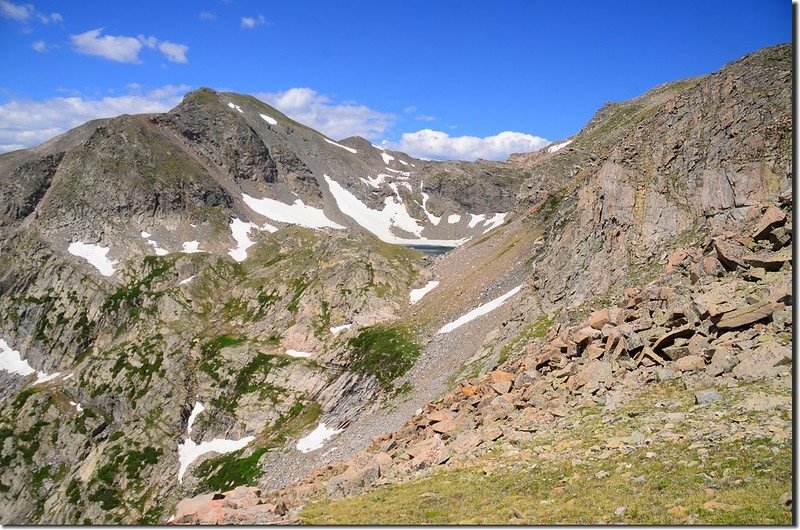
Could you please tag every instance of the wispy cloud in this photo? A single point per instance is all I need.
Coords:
(124, 49)
(439, 145)
(207, 15)
(425, 117)
(26, 123)
(40, 46)
(252, 22)
(174, 52)
(26, 13)
(337, 120)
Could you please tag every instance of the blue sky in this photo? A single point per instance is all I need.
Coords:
(433, 71)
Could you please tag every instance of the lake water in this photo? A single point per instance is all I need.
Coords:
(431, 250)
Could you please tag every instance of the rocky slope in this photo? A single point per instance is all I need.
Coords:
(679, 178)
(211, 298)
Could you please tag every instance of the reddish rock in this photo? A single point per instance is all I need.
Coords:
(746, 315)
(689, 363)
(501, 387)
(773, 217)
(499, 375)
(598, 319)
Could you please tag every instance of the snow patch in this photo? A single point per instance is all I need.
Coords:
(11, 361)
(269, 119)
(403, 173)
(494, 222)
(386, 158)
(187, 280)
(95, 255)
(191, 247)
(237, 107)
(374, 182)
(480, 311)
(241, 231)
(338, 329)
(432, 218)
(196, 410)
(316, 438)
(402, 162)
(557, 147)
(296, 214)
(189, 451)
(475, 219)
(342, 146)
(42, 377)
(453, 218)
(78, 406)
(380, 223)
(159, 251)
(417, 294)
(146, 234)
(299, 354)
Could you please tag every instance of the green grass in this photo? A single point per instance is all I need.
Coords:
(225, 472)
(558, 492)
(386, 352)
(535, 331)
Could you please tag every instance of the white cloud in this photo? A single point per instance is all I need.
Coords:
(53, 18)
(25, 12)
(26, 123)
(439, 145)
(40, 46)
(208, 15)
(337, 120)
(114, 48)
(425, 117)
(18, 12)
(151, 42)
(252, 22)
(173, 51)
(125, 49)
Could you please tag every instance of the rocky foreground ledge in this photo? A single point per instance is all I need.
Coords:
(685, 375)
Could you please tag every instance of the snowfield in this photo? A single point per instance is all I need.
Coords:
(557, 147)
(269, 119)
(342, 146)
(316, 438)
(95, 255)
(481, 310)
(380, 223)
(11, 361)
(188, 451)
(241, 231)
(338, 329)
(191, 247)
(386, 158)
(299, 354)
(417, 294)
(453, 218)
(295, 214)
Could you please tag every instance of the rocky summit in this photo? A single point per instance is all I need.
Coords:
(218, 315)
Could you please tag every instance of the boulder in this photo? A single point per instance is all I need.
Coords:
(599, 318)
(689, 363)
(708, 395)
(772, 218)
(763, 362)
(594, 375)
(721, 362)
(730, 254)
(770, 261)
(746, 315)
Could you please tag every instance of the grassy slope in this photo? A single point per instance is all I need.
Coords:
(558, 477)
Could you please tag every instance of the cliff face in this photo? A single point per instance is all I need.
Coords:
(221, 277)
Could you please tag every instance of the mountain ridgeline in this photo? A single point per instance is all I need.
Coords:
(219, 296)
